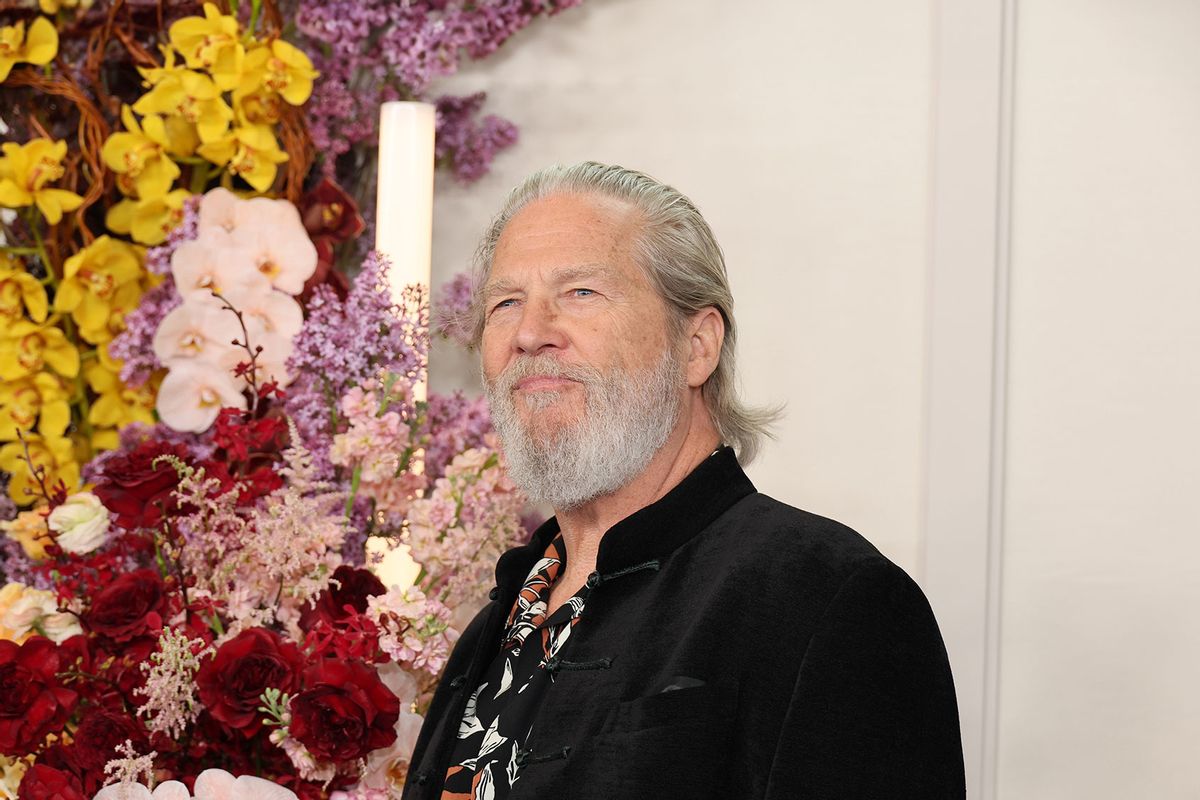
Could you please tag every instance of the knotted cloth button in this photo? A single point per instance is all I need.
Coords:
(552, 663)
(458, 682)
(593, 580)
(423, 778)
(523, 757)
(494, 593)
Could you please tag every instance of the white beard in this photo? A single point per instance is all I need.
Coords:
(627, 419)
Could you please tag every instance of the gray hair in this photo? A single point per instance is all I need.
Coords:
(682, 260)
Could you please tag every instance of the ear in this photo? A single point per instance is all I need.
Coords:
(706, 333)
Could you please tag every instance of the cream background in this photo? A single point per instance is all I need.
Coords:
(805, 132)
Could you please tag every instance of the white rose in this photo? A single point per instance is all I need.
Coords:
(60, 626)
(81, 523)
(28, 610)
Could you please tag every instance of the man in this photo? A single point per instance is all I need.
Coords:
(670, 633)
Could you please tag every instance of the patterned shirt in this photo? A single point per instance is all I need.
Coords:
(499, 715)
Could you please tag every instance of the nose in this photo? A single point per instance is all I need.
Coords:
(538, 329)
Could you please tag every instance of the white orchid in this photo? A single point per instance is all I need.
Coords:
(193, 393)
(212, 784)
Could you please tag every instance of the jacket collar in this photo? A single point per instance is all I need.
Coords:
(651, 532)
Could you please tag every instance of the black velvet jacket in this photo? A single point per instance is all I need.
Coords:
(732, 647)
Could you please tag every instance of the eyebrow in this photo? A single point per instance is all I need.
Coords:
(558, 275)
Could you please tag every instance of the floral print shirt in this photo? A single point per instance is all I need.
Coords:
(499, 715)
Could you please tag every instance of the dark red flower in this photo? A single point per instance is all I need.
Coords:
(328, 211)
(344, 712)
(244, 667)
(349, 586)
(41, 782)
(129, 607)
(99, 734)
(32, 701)
(325, 273)
(138, 490)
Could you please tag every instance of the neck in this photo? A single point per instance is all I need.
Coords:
(693, 439)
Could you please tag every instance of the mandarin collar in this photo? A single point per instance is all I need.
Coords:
(651, 532)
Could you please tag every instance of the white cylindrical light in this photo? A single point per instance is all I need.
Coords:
(404, 233)
(404, 199)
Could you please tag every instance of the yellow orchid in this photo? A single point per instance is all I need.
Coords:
(260, 107)
(251, 153)
(53, 6)
(27, 347)
(148, 221)
(117, 405)
(20, 292)
(280, 67)
(54, 454)
(211, 43)
(138, 156)
(194, 97)
(43, 398)
(25, 169)
(39, 47)
(98, 281)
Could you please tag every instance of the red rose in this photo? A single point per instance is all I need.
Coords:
(32, 701)
(130, 606)
(47, 783)
(233, 681)
(137, 490)
(349, 586)
(99, 734)
(344, 712)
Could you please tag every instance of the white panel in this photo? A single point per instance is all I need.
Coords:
(966, 362)
(801, 130)
(1102, 553)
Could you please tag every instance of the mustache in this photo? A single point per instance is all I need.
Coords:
(526, 366)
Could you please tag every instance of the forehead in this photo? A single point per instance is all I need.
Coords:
(567, 231)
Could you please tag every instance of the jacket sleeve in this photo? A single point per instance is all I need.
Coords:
(873, 712)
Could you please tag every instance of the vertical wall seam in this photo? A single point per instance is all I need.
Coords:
(999, 416)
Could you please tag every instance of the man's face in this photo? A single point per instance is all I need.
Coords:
(576, 353)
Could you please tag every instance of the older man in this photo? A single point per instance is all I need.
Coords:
(671, 632)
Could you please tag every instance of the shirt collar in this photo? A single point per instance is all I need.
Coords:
(651, 532)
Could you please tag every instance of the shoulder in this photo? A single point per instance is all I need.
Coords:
(797, 552)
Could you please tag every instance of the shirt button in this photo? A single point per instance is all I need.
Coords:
(494, 593)
(593, 580)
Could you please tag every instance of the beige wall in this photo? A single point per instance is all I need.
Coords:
(927, 287)
(1101, 569)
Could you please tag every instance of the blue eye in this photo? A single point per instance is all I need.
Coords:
(583, 292)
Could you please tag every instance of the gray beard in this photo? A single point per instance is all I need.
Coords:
(628, 418)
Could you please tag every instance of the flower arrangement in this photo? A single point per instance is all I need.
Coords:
(208, 398)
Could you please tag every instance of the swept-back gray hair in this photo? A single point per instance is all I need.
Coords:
(681, 257)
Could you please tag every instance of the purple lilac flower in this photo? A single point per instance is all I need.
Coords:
(344, 344)
(17, 567)
(369, 51)
(452, 310)
(453, 423)
(8, 509)
(466, 144)
(354, 548)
